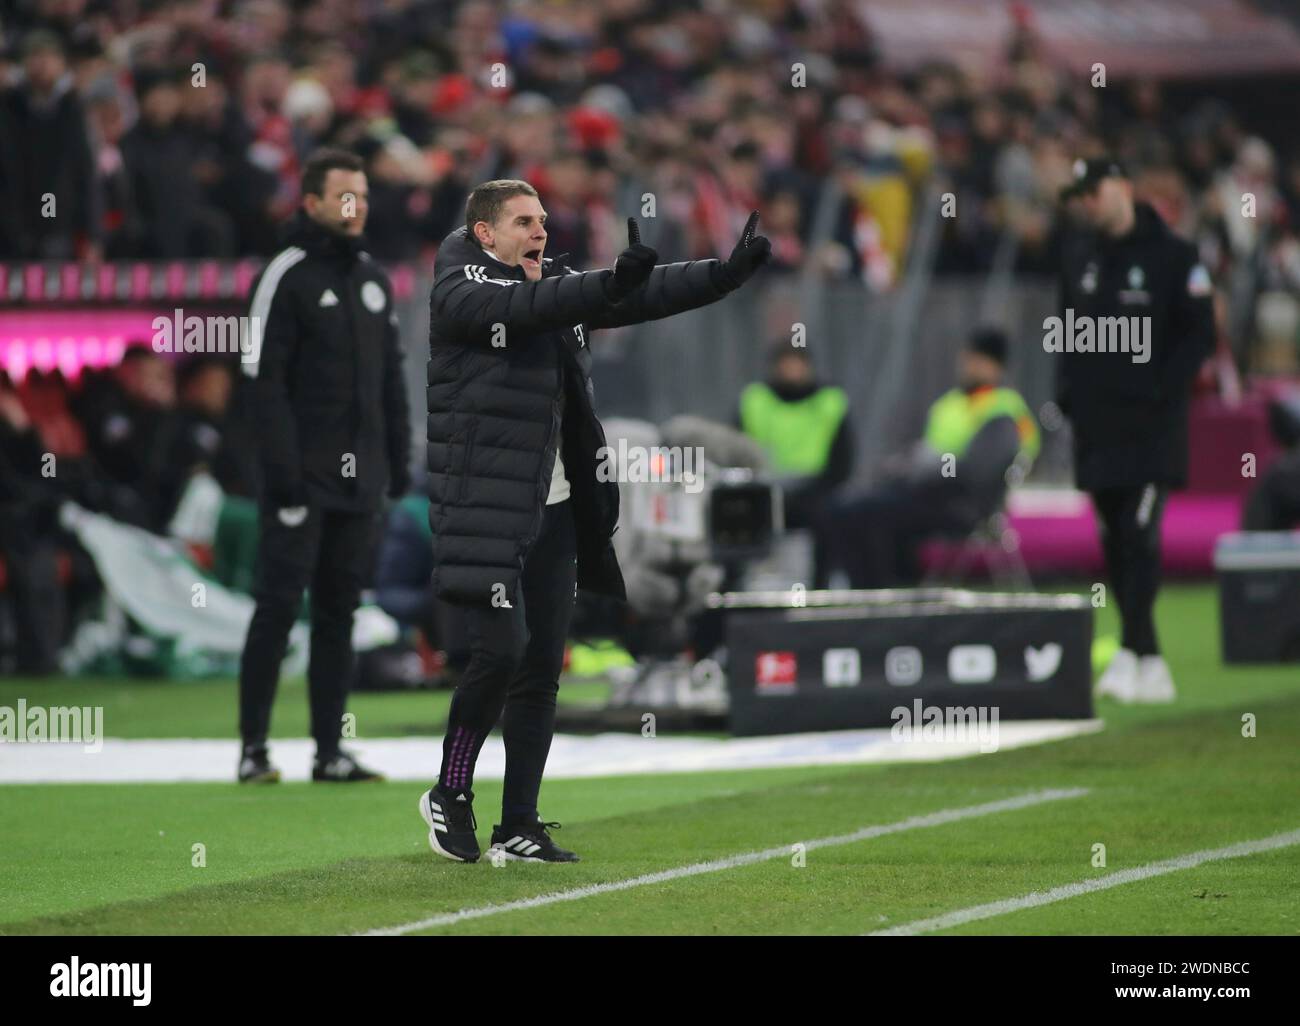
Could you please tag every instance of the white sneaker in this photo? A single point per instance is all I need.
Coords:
(1120, 679)
(1154, 682)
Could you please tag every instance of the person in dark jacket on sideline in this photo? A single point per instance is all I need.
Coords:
(50, 206)
(333, 429)
(1126, 387)
(522, 506)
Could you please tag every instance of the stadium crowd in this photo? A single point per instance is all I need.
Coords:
(176, 128)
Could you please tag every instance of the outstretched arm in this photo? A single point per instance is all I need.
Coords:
(670, 289)
(674, 288)
(476, 307)
(471, 306)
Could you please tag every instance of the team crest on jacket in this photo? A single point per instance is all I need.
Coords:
(372, 294)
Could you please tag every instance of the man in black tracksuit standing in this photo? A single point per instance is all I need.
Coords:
(521, 512)
(1129, 409)
(333, 430)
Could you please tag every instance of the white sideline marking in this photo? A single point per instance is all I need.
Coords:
(930, 819)
(174, 760)
(997, 908)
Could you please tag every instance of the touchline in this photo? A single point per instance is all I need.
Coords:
(40, 725)
(1098, 335)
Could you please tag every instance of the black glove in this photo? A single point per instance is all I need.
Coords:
(632, 267)
(751, 253)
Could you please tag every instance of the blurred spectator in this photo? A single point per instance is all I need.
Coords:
(171, 216)
(108, 124)
(130, 426)
(21, 449)
(264, 89)
(44, 575)
(29, 577)
(564, 184)
(204, 437)
(236, 195)
(49, 202)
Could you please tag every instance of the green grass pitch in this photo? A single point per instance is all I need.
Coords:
(298, 858)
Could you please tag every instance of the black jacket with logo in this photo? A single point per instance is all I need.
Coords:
(1130, 419)
(329, 403)
(509, 377)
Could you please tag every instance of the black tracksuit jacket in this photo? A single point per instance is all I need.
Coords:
(330, 414)
(1130, 419)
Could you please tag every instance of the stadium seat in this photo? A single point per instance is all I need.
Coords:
(993, 546)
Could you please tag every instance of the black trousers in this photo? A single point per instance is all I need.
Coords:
(516, 655)
(875, 538)
(332, 553)
(1129, 522)
(812, 510)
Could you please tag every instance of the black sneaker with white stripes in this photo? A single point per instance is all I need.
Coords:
(529, 842)
(342, 768)
(255, 766)
(451, 824)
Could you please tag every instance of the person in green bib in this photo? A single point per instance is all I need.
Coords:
(804, 427)
(953, 478)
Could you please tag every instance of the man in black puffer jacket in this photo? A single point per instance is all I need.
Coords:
(521, 507)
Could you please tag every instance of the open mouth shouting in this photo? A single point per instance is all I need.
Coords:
(532, 259)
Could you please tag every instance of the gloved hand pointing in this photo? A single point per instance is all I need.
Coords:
(633, 265)
(751, 253)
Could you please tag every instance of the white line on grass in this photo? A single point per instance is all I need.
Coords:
(1101, 883)
(931, 819)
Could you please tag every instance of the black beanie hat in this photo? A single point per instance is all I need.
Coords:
(991, 343)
